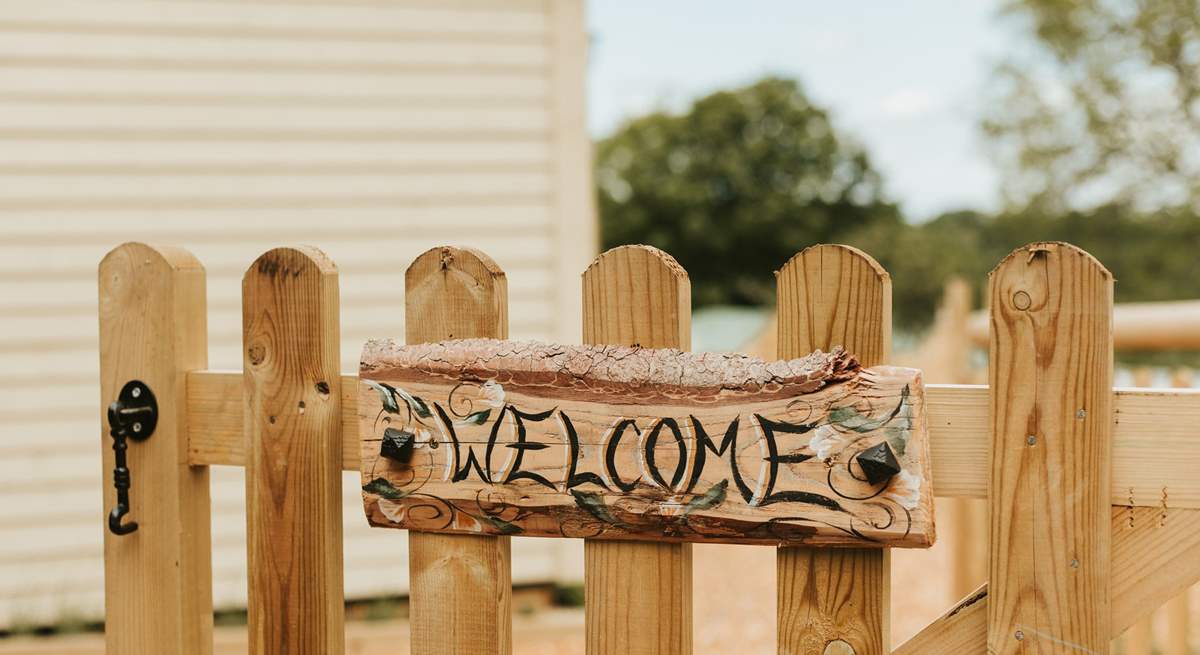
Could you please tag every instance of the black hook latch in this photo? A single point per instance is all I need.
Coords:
(133, 415)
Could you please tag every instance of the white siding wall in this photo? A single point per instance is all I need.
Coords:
(373, 130)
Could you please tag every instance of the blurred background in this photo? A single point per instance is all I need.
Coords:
(936, 135)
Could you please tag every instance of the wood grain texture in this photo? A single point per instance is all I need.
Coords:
(638, 598)
(1179, 616)
(608, 442)
(293, 465)
(460, 585)
(158, 580)
(1051, 406)
(1153, 559)
(1139, 638)
(828, 296)
(1153, 441)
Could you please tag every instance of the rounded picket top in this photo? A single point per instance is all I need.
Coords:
(135, 266)
(294, 261)
(455, 293)
(289, 291)
(831, 295)
(627, 285)
(1023, 281)
(171, 257)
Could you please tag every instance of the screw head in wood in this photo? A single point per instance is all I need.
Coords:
(397, 445)
(878, 463)
(1019, 635)
(1031, 440)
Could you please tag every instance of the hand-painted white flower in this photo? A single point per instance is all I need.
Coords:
(492, 394)
(424, 436)
(392, 510)
(825, 441)
(905, 489)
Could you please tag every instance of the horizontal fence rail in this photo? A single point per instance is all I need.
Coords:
(1154, 437)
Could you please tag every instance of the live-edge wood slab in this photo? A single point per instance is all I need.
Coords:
(535, 439)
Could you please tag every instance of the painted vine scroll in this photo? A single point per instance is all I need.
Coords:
(535, 439)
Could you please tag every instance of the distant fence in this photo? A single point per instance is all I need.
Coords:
(1093, 497)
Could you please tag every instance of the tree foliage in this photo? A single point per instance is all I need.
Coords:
(1151, 255)
(1102, 108)
(735, 185)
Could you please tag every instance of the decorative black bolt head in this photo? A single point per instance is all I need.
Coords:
(878, 463)
(397, 445)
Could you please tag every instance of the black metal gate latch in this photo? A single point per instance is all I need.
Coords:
(132, 416)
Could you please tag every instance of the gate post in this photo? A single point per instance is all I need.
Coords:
(157, 579)
(1050, 366)
(832, 295)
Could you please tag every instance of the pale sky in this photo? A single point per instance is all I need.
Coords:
(903, 78)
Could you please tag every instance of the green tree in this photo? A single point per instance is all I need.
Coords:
(1103, 107)
(734, 186)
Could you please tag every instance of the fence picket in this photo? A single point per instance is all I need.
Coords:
(638, 595)
(158, 580)
(831, 295)
(293, 424)
(460, 585)
(1051, 409)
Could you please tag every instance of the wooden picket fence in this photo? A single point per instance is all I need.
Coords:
(1094, 497)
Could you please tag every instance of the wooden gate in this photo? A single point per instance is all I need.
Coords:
(1094, 497)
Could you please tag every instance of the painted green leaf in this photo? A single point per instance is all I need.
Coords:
(385, 396)
(897, 438)
(593, 503)
(384, 489)
(841, 415)
(849, 418)
(478, 418)
(504, 527)
(709, 499)
(418, 406)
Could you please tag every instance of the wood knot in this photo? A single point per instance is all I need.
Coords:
(257, 353)
(1021, 300)
(447, 258)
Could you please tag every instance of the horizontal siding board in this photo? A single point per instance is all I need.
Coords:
(199, 228)
(264, 19)
(250, 83)
(325, 120)
(240, 156)
(274, 54)
(16, 189)
(169, 202)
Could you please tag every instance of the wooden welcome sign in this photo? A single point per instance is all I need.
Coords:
(607, 442)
